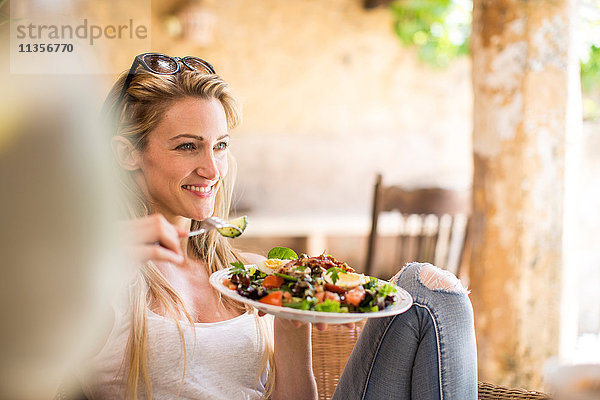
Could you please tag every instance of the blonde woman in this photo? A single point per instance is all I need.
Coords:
(174, 336)
(178, 337)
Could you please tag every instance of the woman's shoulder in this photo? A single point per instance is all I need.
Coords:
(253, 258)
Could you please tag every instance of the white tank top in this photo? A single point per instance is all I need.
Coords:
(223, 362)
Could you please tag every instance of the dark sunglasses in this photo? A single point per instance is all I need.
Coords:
(163, 64)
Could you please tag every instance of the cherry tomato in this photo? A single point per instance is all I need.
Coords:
(355, 296)
(273, 282)
(273, 298)
(332, 296)
(320, 297)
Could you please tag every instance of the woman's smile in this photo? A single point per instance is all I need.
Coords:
(200, 191)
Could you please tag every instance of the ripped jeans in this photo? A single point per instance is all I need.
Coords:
(426, 353)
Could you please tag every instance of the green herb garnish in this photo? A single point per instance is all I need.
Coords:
(238, 268)
(333, 273)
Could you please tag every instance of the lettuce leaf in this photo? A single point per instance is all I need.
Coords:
(300, 305)
(282, 253)
(386, 290)
(328, 306)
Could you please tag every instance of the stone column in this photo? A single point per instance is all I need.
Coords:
(520, 52)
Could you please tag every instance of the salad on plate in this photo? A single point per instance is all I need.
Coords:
(319, 283)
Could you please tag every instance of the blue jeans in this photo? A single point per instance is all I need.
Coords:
(428, 352)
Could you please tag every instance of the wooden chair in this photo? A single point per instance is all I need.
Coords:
(332, 348)
(432, 227)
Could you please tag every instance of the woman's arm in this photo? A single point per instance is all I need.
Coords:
(294, 377)
(293, 362)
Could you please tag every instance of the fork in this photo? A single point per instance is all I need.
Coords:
(213, 223)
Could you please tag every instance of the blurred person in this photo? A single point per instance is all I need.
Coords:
(59, 262)
(174, 336)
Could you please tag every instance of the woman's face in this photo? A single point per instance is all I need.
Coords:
(185, 159)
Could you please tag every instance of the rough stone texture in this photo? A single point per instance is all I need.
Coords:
(520, 79)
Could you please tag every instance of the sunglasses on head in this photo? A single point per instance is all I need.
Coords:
(163, 64)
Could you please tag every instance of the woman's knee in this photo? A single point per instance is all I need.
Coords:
(439, 294)
(431, 277)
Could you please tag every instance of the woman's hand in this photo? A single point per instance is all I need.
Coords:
(153, 238)
(321, 326)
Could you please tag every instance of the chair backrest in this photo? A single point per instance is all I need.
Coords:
(432, 226)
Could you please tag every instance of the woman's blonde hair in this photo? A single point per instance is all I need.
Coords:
(136, 115)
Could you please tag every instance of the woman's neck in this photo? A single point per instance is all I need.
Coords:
(180, 222)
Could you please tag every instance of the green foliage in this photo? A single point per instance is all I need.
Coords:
(589, 54)
(590, 69)
(590, 84)
(439, 29)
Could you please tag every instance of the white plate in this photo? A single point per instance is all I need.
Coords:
(404, 302)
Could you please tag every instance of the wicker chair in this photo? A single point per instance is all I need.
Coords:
(332, 348)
